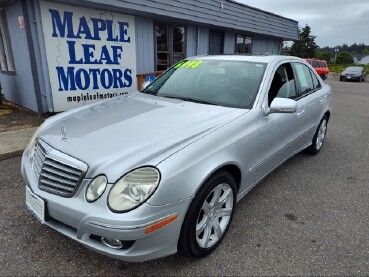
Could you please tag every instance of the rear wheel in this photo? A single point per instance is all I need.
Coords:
(209, 216)
(319, 137)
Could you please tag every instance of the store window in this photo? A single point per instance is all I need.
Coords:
(6, 57)
(243, 44)
(170, 44)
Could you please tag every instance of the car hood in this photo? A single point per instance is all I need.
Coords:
(120, 134)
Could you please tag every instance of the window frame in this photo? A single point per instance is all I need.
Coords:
(300, 95)
(170, 26)
(284, 63)
(244, 36)
(5, 47)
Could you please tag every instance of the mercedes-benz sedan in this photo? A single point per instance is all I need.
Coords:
(353, 73)
(153, 172)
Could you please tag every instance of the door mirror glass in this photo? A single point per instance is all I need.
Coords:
(282, 105)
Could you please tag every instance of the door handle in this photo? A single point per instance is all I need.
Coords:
(300, 112)
(321, 100)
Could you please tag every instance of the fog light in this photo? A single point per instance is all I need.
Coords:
(96, 188)
(112, 243)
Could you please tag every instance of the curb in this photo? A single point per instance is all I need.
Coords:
(13, 143)
(10, 155)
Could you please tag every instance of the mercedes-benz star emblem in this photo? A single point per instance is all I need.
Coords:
(64, 133)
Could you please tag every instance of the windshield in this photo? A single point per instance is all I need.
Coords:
(215, 82)
(353, 69)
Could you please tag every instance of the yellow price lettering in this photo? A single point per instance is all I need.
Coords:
(188, 64)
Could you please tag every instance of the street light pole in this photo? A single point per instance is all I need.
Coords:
(335, 56)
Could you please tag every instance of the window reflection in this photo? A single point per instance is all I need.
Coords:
(170, 45)
(243, 44)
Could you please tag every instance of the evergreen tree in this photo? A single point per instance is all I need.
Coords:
(344, 57)
(323, 55)
(366, 51)
(305, 46)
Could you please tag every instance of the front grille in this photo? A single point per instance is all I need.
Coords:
(57, 172)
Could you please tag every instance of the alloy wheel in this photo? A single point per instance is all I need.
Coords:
(214, 216)
(321, 134)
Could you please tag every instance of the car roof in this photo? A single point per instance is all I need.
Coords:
(248, 58)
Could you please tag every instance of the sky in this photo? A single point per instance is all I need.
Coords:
(333, 22)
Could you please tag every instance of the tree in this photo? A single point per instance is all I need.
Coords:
(366, 51)
(305, 46)
(344, 57)
(323, 55)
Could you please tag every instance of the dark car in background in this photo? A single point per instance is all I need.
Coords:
(354, 73)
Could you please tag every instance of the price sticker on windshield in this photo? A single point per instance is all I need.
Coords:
(188, 64)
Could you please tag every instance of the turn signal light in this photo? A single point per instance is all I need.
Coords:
(161, 224)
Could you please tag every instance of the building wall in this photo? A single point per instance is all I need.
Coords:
(265, 45)
(229, 43)
(18, 88)
(145, 44)
(229, 14)
(191, 41)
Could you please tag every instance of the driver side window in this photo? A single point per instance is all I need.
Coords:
(283, 84)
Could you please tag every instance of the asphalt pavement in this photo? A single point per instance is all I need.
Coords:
(309, 217)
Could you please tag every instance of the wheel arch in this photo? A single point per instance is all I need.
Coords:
(328, 115)
(232, 169)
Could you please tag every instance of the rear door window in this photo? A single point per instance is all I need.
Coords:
(322, 65)
(316, 82)
(315, 64)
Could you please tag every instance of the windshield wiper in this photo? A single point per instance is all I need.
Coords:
(152, 92)
(188, 99)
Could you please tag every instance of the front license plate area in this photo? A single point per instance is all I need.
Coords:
(36, 205)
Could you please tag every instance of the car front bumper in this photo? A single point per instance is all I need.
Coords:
(350, 78)
(86, 222)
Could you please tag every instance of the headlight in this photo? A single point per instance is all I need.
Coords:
(32, 142)
(133, 189)
(96, 188)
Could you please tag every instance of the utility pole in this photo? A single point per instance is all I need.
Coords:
(335, 56)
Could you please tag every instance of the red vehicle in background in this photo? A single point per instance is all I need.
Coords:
(320, 67)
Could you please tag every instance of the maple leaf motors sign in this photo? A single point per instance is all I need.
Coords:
(91, 54)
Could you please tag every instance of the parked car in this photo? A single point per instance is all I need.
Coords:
(141, 176)
(320, 67)
(353, 73)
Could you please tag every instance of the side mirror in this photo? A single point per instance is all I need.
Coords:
(145, 85)
(282, 105)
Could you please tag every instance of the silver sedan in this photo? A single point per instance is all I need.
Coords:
(147, 174)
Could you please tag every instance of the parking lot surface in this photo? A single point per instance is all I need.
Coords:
(309, 217)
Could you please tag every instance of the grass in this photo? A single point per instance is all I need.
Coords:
(338, 68)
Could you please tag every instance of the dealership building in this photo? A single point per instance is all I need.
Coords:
(58, 55)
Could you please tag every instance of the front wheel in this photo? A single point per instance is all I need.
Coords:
(319, 137)
(209, 216)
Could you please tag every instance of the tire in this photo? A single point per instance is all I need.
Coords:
(206, 223)
(319, 137)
